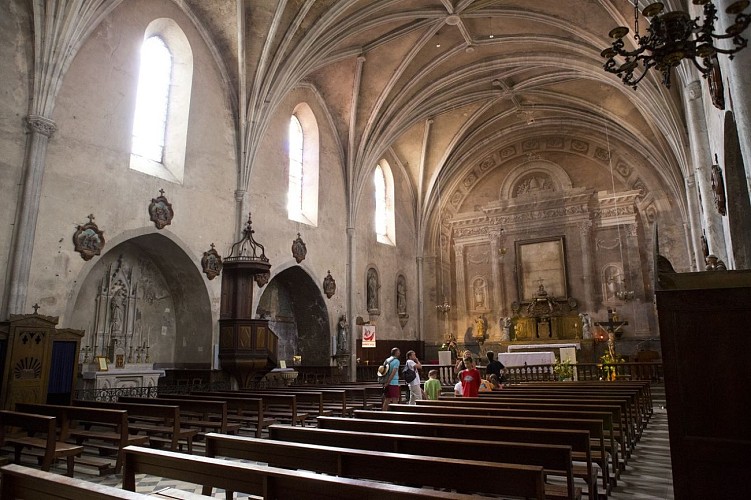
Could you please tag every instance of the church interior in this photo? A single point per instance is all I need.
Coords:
(187, 183)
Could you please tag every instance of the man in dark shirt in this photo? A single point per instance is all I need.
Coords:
(494, 367)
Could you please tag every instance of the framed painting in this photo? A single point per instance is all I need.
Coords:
(541, 265)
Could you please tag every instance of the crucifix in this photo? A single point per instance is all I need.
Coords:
(612, 325)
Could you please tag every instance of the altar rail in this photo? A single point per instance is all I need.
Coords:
(146, 392)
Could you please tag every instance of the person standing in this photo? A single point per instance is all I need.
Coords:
(470, 379)
(415, 392)
(432, 385)
(494, 367)
(391, 391)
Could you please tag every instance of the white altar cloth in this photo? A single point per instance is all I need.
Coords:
(511, 359)
(522, 347)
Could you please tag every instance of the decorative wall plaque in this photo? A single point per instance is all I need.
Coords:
(329, 285)
(160, 211)
(88, 240)
(211, 263)
(262, 279)
(716, 88)
(299, 249)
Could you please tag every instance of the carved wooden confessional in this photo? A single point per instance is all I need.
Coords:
(38, 362)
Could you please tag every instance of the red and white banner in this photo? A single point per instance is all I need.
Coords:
(368, 336)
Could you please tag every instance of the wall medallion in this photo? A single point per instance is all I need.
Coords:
(299, 249)
(88, 240)
(262, 279)
(716, 88)
(160, 211)
(329, 285)
(211, 263)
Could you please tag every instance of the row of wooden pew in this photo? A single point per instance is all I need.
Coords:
(492, 444)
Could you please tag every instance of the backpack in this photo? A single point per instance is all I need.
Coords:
(409, 375)
(384, 370)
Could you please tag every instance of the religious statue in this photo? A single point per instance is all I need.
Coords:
(718, 189)
(586, 325)
(715, 264)
(401, 296)
(117, 307)
(506, 326)
(372, 290)
(481, 328)
(479, 293)
(342, 333)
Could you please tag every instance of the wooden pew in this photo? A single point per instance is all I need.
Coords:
(281, 407)
(195, 413)
(554, 459)
(356, 396)
(458, 474)
(248, 412)
(75, 424)
(628, 419)
(160, 422)
(594, 427)
(269, 482)
(310, 402)
(31, 426)
(22, 482)
(577, 440)
(334, 401)
(615, 411)
(605, 417)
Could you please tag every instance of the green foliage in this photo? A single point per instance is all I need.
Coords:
(563, 369)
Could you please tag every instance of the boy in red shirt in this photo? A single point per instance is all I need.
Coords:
(470, 379)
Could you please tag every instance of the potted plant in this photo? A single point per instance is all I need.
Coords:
(609, 368)
(563, 369)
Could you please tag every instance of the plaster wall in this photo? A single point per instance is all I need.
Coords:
(87, 165)
(16, 49)
(327, 242)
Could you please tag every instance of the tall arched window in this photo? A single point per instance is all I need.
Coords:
(302, 149)
(384, 204)
(296, 145)
(160, 119)
(150, 120)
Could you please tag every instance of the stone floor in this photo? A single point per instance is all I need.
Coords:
(647, 476)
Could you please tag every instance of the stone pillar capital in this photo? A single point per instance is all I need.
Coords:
(41, 125)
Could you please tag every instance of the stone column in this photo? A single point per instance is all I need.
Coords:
(701, 157)
(461, 286)
(495, 269)
(694, 233)
(737, 81)
(585, 238)
(351, 278)
(19, 265)
(420, 299)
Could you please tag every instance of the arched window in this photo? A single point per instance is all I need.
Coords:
(150, 120)
(160, 120)
(384, 204)
(302, 149)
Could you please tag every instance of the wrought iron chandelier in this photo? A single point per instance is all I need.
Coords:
(672, 37)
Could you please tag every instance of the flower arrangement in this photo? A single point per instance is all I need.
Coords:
(450, 345)
(609, 360)
(563, 369)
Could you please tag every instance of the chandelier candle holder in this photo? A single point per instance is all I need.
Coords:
(672, 37)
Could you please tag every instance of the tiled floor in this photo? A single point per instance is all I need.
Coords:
(647, 474)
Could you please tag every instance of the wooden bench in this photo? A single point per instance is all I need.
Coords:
(269, 482)
(161, 423)
(333, 401)
(556, 460)
(594, 427)
(282, 407)
(97, 427)
(39, 433)
(463, 474)
(22, 482)
(248, 412)
(614, 410)
(605, 417)
(577, 440)
(201, 414)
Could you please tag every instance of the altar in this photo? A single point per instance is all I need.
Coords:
(131, 375)
(515, 359)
